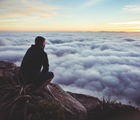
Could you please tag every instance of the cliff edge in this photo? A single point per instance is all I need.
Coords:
(75, 106)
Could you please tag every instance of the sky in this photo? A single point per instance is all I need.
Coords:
(70, 15)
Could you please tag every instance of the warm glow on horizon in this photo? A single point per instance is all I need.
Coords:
(85, 15)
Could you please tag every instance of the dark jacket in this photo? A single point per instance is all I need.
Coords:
(32, 62)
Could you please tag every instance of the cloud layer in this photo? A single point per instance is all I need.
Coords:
(98, 64)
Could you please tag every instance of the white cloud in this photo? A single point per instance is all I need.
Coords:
(127, 23)
(98, 64)
(90, 3)
(8, 20)
(20, 8)
(132, 25)
(132, 8)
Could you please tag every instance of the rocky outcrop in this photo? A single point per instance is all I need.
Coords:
(74, 110)
(89, 102)
(7, 70)
(75, 105)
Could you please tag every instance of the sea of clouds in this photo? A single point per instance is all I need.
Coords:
(98, 64)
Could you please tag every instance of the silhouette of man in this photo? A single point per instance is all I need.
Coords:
(32, 63)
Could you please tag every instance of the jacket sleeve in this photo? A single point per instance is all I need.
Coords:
(45, 62)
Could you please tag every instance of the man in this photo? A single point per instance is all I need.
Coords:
(32, 63)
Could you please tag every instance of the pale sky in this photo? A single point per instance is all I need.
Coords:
(70, 15)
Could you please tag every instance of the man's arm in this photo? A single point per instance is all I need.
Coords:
(45, 63)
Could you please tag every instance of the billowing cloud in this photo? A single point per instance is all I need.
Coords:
(98, 64)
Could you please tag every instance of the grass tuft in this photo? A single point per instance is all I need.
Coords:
(18, 101)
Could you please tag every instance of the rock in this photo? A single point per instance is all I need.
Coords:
(7, 71)
(89, 102)
(8, 74)
(74, 110)
(7, 65)
(1, 73)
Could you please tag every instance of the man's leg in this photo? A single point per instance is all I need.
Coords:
(43, 85)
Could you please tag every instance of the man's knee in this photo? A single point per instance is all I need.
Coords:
(53, 75)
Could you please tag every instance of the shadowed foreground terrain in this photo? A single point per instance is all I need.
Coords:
(17, 100)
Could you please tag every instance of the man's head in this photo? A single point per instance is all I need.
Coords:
(40, 41)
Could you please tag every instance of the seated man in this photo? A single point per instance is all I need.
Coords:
(32, 62)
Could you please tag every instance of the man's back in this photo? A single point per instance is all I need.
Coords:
(32, 62)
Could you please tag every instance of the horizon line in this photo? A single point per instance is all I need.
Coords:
(71, 31)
